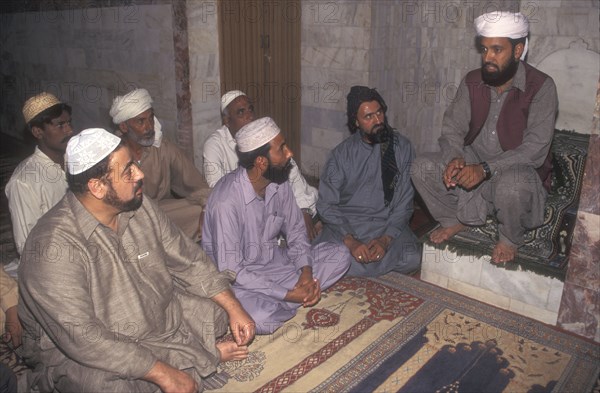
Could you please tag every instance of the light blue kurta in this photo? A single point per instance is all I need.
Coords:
(240, 233)
(351, 201)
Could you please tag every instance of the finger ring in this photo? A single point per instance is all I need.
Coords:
(377, 256)
(360, 257)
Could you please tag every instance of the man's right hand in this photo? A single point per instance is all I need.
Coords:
(171, 380)
(358, 249)
(452, 169)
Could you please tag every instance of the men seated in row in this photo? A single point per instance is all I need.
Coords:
(365, 192)
(246, 213)
(172, 179)
(220, 156)
(39, 181)
(113, 296)
(495, 144)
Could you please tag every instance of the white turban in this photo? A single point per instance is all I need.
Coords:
(132, 104)
(504, 24)
(255, 134)
(229, 97)
(88, 148)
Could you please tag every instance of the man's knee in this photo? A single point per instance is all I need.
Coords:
(515, 183)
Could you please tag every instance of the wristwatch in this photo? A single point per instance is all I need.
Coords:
(486, 170)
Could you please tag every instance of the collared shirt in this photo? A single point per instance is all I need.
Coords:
(220, 159)
(537, 137)
(241, 229)
(106, 300)
(35, 186)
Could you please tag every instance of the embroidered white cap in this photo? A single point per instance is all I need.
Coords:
(88, 148)
(229, 97)
(255, 134)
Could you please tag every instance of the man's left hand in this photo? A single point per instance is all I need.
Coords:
(311, 285)
(378, 247)
(470, 176)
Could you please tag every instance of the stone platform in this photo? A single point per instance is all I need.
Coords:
(522, 292)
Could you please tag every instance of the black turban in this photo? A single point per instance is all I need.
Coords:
(358, 95)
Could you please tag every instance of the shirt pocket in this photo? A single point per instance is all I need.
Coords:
(273, 227)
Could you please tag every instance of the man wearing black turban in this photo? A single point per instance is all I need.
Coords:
(365, 193)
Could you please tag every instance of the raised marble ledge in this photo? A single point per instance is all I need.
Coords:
(533, 312)
(465, 269)
(478, 293)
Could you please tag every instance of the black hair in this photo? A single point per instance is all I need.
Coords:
(246, 159)
(78, 183)
(48, 114)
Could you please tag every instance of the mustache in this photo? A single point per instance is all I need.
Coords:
(139, 184)
(491, 65)
(66, 139)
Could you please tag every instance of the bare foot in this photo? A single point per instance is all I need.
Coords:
(229, 350)
(442, 234)
(503, 253)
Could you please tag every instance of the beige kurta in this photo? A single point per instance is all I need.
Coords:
(170, 174)
(99, 307)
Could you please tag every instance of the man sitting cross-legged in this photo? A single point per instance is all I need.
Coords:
(114, 297)
(247, 212)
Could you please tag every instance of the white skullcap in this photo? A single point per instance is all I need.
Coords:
(88, 148)
(503, 24)
(132, 104)
(230, 96)
(255, 134)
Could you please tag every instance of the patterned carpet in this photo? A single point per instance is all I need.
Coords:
(398, 334)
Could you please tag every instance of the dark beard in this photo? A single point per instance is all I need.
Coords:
(499, 78)
(278, 174)
(124, 206)
(380, 134)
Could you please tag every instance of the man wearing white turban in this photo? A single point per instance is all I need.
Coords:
(246, 214)
(171, 177)
(220, 157)
(495, 144)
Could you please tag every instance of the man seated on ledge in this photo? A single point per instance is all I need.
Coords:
(220, 157)
(113, 296)
(247, 211)
(495, 144)
(365, 194)
(169, 172)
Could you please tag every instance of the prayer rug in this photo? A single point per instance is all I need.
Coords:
(547, 247)
(398, 334)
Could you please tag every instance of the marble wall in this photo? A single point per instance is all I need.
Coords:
(205, 88)
(336, 54)
(86, 53)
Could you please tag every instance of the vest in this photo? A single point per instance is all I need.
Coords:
(512, 120)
